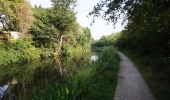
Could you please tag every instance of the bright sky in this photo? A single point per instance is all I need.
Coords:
(98, 29)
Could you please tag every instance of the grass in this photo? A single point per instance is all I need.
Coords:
(105, 82)
(157, 81)
(74, 88)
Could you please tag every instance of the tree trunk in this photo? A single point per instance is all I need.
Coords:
(59, 48)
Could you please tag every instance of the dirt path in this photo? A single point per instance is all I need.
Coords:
(131, 85)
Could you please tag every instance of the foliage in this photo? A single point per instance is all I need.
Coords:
(78, 52)
(63, 18)
(18, 51)
(58, 29)
(105, 82)
(109, 40)
(43, 31)
(112, 10)
(147, 35)
(64, 4)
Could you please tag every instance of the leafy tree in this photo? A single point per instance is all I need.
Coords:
(57, 28)
(109, 40)
(44, 32)
(63, 19)
(112, 10)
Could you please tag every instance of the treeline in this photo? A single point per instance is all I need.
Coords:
(147, 35)
(54, 30)
(109, 40)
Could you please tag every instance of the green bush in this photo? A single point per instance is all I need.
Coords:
(108, 56)
(17, 52)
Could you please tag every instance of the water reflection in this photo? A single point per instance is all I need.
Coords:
(27, 75)
(93, 58)
(37, 74)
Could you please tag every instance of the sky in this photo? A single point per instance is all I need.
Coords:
(98, 29)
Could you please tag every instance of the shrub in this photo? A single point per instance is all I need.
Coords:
(18, 51)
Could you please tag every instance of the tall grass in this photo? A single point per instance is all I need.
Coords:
(72, 89)
(105, 80)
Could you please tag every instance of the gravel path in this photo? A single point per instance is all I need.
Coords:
(131, 85)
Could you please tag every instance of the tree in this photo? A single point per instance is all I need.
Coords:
(43, 31)
(63, 18)
(112, 10)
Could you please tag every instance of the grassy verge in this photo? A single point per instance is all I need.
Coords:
(104, 84)
(157, 80)
(105, 81)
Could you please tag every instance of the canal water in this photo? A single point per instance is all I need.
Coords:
(36, 73)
